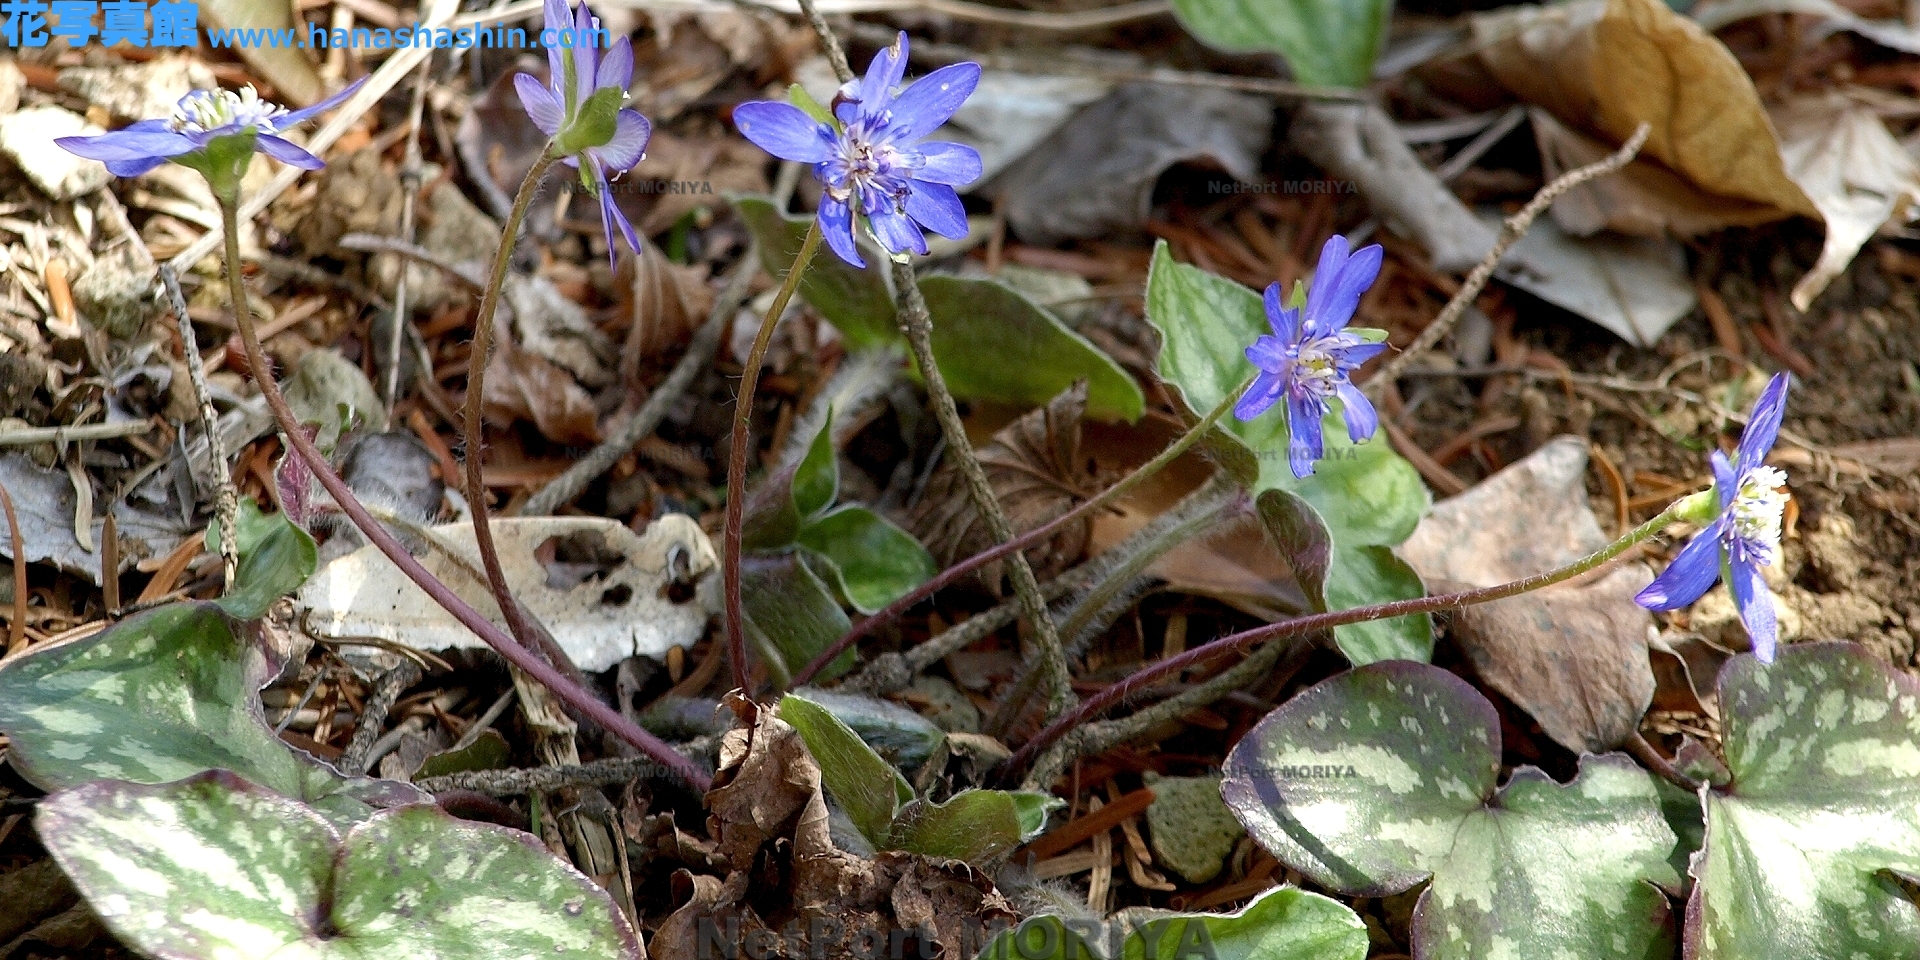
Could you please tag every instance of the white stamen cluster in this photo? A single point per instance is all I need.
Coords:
(1758, 507)
(205, 110)
(1316, 365)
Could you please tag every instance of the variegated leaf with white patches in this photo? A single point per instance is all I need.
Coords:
(216, 868)
(1384, 776)
(1824, 748)
(1284, 923)
(158, 697)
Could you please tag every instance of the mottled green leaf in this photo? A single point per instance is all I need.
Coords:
(995, 344)
(276, 557)
(791, 614)
(1329, 43)
(877, 562)
(1285, 923)
(865, 786)
(1366, 496)
(1384, 776)
(156, 698)
(1824, 748)
(216, 868)
(858, 302)
(1363, 575)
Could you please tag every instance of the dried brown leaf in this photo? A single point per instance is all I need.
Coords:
(522, 386)
(1573, 656)
(1036, 469)
(663, 302)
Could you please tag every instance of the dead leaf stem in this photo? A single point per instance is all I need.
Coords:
(226, 498)
(17, 629)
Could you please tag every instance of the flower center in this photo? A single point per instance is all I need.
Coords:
(1317, 368)
(1754, 519)
(206, 110)
(870, 163)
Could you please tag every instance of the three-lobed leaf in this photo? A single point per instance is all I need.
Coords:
(1824, 750)
(1384, 776)
(217, 868)
(1367, 497)
(159, 697)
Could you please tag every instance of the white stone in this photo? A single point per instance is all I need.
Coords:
(27, 139)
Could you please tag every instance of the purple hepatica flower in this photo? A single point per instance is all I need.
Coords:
(581, 109)
(1309, 358)
(869, 157)
(214, 131)
(1748, 500)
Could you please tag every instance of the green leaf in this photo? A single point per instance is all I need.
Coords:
(794, 494)
(276, 557)
(489, 751)
(1363, 575)
(791, 614)
(799, 97)
(816, 481)
(1365, 494)
(216, 867)
(1384, 776)
(1033, 807)
(1825, 756)
(1285, 923)
(158, 697)
(973, 825)
(995, 344)
(902, 737)
(865, 786)
(1328, 43)
(876, 562)
(857, 301)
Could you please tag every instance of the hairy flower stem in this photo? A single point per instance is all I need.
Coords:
(1052, 656)
(1039, 534)
(473, 427)
(1326, 621)
(568, 691)
(737, 460)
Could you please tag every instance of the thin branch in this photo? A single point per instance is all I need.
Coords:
(373, 715)
(507, 783)
(28, 436)
(409, 197)
(1511, 231)
(226, 497)
(17, 629)
(1641, 750)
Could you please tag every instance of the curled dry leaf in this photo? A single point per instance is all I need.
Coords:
(663, 302)
(1036, 468)
(768, 810)
(523, 386)
(1573, 656)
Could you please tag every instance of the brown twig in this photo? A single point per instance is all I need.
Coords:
(1641, 750)
(575, 696)
(1511, 231)
(16, 630)
(373, 715)
(226, 497)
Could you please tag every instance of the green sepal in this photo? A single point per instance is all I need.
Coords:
(594, 125)
(799, 97)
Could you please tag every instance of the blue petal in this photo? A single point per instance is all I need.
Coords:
(611, 219)
(950, 163)
(1726, 483)
(889, 66)
(1755, 603)
(1260, 397)
(1764, 426)
(301, 115)
(1362, 420)
(541, 105)
(585, 58)
(1305, 442)
(785, 131)
(137, 142)
(1269, 354)
(629, 143)
(616, 68)
(1353, 355)
(836, 222)
(1285, 322)
(290, 154)
(895, 232)
(134, 168)
(1338, 283)
(1692, 571)
(936, 207)
(932, 100)
(558, 17)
